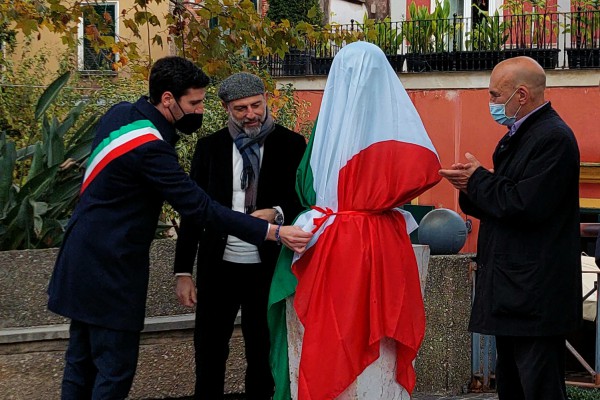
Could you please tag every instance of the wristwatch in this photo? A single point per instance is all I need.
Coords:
(277, 236)
(278, 216)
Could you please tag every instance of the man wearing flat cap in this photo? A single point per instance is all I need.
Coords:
(249, 165)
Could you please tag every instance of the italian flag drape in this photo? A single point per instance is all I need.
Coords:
(358, 280)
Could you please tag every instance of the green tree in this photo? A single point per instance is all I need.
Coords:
(296, 11)
(217, 34)
(33, 18)
(24, 81)
(223, 36)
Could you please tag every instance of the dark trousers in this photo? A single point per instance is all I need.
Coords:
(222, 291)
(531, 368)
(100, 362)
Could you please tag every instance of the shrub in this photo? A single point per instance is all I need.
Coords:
(295, 11)
(577, 393)
(39, 183)
(41, 222)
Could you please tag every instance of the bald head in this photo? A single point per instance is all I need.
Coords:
(524, 71)
(523, 75)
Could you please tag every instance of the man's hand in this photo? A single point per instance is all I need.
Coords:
(186, 291)
(291, 236)
(458, 174)
(268, 214)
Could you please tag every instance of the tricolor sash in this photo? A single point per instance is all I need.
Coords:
(117, 143)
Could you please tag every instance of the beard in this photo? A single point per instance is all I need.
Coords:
(251, 131)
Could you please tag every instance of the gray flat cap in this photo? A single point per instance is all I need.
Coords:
(239, 86)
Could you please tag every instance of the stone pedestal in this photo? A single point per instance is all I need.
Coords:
(444, 361)
(378, 380)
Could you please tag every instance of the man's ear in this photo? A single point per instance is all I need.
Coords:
(166, 98)
(224, 105)
(524, 94)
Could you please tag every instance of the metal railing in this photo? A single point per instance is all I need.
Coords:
(555, 40)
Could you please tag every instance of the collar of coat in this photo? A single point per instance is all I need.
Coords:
(166, 129)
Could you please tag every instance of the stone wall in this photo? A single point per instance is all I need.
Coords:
(33, 340)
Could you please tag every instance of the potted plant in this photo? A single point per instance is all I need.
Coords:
(584, 27)
(325, 43)
(483, 47)
(323, 48)
(297, 60)
(428, 35)
(323, 57)
(532, 31)
(388, 36)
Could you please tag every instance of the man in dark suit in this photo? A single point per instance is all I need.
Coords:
(528, 283)
(100, 280)
(250, 166)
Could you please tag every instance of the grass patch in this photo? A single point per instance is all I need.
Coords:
(577, 393)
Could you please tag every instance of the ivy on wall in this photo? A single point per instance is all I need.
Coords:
(296, 11)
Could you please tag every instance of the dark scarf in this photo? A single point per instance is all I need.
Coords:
(249, 149)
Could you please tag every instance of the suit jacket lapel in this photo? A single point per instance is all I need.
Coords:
(225, 168)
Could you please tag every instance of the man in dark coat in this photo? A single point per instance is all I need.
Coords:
(528, 283)
(598, 250)
(100, 280)
(250, 166)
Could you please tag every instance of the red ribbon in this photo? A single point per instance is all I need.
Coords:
(318, 222)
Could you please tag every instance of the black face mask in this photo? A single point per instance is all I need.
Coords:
(189, 123)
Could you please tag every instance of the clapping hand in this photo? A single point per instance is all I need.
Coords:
(458, 174)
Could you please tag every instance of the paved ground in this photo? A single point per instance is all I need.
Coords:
(470, 396)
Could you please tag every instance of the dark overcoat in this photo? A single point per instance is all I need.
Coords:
(598, 250)
(528, 280)
(102, 270)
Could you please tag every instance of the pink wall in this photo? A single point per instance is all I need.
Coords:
(458, 121)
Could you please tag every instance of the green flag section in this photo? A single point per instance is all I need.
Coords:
(284, 285)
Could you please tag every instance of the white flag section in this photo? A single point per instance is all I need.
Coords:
(364, 103)
(357, 283)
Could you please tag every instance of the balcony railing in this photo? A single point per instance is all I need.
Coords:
(556, 40)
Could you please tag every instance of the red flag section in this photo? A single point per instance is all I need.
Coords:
(359, 283)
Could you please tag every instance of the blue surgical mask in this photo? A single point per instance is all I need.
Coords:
(498, 112)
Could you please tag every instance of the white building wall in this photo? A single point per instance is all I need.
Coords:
(398, 10)
(342, 12)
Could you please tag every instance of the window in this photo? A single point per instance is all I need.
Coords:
(456, 6)
(478, 10)
(98, 19)
(467, 8)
